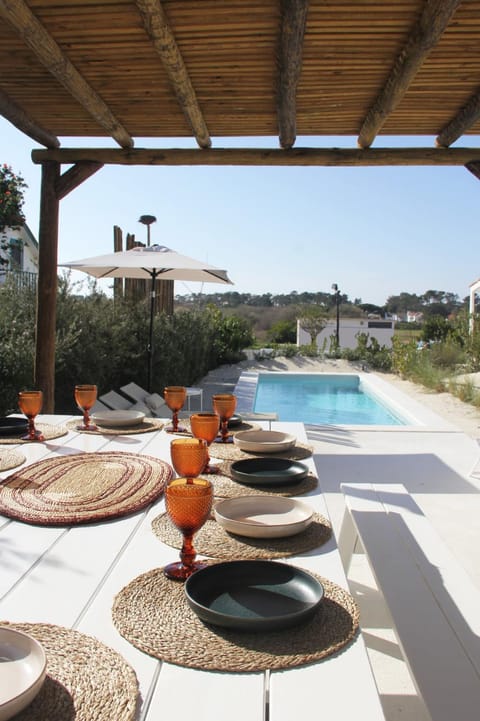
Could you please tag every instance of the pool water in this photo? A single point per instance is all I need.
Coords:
(325, 399)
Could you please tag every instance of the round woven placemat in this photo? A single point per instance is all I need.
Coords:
(147, 426)
(225, 487)
(11, 459)
(49, 431)
(85, 680)
(231, 452)
(83, 487)
(153, 614)
(213, 541)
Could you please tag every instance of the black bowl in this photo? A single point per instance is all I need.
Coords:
(253, 595)
(268, 471)
(10, 426)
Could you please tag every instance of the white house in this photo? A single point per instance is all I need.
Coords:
(19, 248)
(349, 328)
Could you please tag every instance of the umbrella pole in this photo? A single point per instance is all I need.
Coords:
(150, 335)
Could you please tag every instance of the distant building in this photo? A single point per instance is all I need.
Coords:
(19, 254)
(349, 328)
(413, 316)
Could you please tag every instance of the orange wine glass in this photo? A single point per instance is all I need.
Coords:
(175, 397)
(189, 456)
(189, 503)
(224, 405)
(30, 403)
(85, 397)
(206, 426)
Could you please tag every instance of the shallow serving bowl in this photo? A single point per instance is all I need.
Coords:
(263, 516)
(253, 595)
(264, 441)
(268, 471)
(23, 666)
(118, 418)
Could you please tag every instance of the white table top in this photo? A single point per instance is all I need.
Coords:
(69, 576)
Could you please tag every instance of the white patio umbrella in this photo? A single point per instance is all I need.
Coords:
(155, 262)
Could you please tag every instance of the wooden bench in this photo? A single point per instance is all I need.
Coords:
(434, 606)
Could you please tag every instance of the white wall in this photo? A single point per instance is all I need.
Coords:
(348, 329)
(30, 247)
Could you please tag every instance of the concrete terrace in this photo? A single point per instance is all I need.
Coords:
(435, 461)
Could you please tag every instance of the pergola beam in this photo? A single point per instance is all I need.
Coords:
(158, 28)
(19, 118)
(474, 168)
(464, 120)
(346, 157)
(425, 34)
(74, 176)
(294, 17)
(41, 43)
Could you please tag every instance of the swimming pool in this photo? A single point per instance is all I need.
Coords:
(319, 398)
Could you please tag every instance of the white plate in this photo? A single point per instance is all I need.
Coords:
(118, 418)
(264, 441)
(263, 516)
(23, 667)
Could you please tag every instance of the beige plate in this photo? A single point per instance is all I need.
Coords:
(118, 418)
(23, 666)
(264, 441)
(263, 516)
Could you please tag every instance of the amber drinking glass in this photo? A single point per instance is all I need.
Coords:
(205, 426)
(224, 405)
(189, 502)
(189, 456)
(30, 403)
(85, 397)
(175, 397)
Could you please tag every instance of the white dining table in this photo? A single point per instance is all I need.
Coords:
(69, 576)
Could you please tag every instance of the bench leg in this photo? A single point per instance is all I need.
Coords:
(347, 540)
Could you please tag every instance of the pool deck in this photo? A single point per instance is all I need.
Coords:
(436, 462)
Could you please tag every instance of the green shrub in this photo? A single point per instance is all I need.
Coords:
(104, 341)
(435, 328)
(283, 331)
(309, 351)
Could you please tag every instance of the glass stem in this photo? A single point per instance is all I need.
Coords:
(224, 430)
(175, 421)
(31, 429)
(188, 553)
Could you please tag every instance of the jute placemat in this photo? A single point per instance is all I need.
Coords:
(231, 452)
(212, 540)
(225, 487)
(152, 613)
(11, 459)
(83, 487)
(49, 431)
(85, 680)
(147, 426)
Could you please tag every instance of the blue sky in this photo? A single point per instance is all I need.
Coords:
(375, 232)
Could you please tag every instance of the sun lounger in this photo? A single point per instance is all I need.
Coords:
(115, 401)
(153, 401)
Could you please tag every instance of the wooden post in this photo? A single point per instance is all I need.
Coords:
(45, 327)
(117, 247)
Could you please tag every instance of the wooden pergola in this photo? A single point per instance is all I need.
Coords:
(207, 69)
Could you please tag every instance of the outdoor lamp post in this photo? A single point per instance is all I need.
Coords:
(337, 305)
(147, 220)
